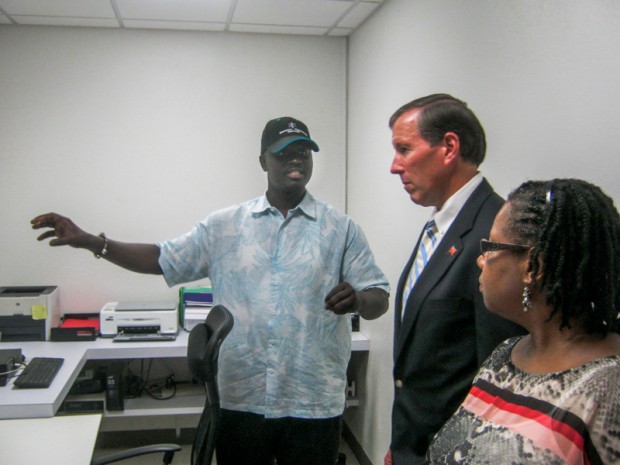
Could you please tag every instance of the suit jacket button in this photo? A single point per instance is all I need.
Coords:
(398, 383)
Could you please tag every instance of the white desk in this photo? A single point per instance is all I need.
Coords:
(49, 441)
(42, 403)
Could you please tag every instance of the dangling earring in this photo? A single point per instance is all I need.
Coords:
(527, 295)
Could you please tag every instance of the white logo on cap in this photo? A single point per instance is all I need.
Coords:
(292, 128)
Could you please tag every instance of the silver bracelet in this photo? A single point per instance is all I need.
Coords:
(104, 250)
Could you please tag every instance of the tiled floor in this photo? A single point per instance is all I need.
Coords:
(107, 445)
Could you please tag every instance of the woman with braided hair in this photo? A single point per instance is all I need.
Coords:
(552, 265)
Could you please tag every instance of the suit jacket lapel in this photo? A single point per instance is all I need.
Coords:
(444, 255)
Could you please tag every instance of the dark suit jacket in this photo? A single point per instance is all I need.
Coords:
(446, 332)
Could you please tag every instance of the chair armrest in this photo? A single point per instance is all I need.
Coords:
(167, 449)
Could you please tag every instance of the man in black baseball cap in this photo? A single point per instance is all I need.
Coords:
(290, 268)
(286, 157)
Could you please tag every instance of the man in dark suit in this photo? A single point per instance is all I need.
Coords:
(442, 330)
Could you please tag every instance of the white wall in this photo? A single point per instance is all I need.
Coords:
(542, 76)
(141, 134)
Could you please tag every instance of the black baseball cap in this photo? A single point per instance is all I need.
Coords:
(280, 132)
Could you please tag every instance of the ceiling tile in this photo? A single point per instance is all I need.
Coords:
(59, 21)
(271, 29)
(291, 12)
(177, 10)
(175, 25)
(358, 14)
(75, 8)
(306, 17)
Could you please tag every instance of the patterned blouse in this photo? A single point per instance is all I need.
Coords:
(512, 417)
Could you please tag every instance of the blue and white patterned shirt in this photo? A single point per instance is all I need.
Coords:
(286, 355)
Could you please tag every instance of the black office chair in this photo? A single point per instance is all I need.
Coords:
(203, 350)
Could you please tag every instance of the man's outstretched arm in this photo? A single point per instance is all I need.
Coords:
(141, 258)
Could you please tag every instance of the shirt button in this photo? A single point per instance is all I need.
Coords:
(398, 383)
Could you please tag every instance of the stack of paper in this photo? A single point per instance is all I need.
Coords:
(196, 303)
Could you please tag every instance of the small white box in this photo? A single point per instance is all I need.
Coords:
(194, 315)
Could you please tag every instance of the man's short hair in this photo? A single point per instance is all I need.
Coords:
(442, 113)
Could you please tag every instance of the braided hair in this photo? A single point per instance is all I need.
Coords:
(574, 229)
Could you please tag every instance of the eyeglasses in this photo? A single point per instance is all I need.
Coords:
(489, 246)
(290, 153)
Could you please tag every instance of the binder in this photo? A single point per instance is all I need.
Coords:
(199, 298)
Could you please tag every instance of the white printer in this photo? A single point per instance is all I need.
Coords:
(28, 313)
(139, 321)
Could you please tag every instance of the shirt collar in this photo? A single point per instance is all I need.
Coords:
(307, 206)
(451, 208)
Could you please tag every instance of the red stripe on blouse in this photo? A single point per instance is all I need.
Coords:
(539, 427)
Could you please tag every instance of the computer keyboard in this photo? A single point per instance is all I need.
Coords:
(39, 373)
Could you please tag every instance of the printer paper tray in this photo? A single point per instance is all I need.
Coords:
(141, 337)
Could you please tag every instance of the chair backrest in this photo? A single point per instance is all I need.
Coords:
(204, 343)
(203, 350)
